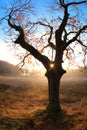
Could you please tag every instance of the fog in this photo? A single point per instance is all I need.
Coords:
(10, 77)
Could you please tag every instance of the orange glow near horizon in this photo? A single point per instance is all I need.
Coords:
(6, 54)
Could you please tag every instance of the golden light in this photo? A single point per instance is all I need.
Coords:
(51, 65)
(7, 55)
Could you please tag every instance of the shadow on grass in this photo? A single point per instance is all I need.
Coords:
(38, 121)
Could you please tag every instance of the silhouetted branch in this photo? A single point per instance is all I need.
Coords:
(21, 40)
(23, 60)
(62, 3)
(51, 44)
(76, 36)
(61, 28)
(76, 3)
(68, 52)
(81, 43)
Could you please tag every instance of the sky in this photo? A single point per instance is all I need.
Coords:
(5, 51)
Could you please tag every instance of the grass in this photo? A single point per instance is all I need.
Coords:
(23, 101)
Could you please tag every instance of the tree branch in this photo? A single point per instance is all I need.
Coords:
(21, 40)
(50, 34)
(76, 3)
(62, 3)
(81, 43)
(75, 37)
(61, 28)
(23, 60)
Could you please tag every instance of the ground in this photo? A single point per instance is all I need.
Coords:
(23, 101)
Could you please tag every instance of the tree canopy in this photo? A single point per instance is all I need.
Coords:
(59, 31)
(63, 23)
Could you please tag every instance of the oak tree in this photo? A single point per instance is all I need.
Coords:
(59, 38)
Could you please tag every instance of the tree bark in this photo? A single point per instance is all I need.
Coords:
(54, 77)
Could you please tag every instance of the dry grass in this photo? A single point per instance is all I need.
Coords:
(23, 101)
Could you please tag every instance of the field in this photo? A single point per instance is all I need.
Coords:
(23, 101)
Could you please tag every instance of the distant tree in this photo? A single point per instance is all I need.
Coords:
(8, 69)
(60, 33)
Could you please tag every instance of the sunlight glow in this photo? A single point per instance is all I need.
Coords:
(6, 54)
(51, 65)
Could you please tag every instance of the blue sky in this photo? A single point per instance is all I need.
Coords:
(41, 5)
(40, 8)
(5, 52)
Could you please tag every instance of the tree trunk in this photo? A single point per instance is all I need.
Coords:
(54, 77)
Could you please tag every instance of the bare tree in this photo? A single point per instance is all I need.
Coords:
(62, 37)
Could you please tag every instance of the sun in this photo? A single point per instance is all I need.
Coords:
(51, 65)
